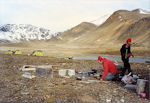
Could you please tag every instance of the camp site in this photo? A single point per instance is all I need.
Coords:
(75, 51)
(16, 52)
(37, 53)
(9, 52)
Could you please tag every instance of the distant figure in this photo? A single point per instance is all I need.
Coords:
(125, 55)
(110, 69)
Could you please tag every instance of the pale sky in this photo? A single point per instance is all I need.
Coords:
(60, 15)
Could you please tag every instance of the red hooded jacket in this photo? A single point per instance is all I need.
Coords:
(109, 67)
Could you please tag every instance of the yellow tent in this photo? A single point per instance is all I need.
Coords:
(37, 53)
(18, 52)
(9, 52)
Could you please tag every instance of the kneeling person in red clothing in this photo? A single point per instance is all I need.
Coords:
(110, 69)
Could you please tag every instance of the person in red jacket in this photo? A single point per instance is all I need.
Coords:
(110, 69)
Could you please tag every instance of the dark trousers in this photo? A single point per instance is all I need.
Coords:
(126, 66)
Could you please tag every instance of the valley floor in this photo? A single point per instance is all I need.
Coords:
(52, 50)
(15, 88)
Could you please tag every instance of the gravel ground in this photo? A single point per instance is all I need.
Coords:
(15, 88)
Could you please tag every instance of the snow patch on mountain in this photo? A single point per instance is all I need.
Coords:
(120, 18)
(101, 19)
(143, 11)
(23, 32)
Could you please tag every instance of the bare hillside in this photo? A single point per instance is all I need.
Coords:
(121, 25)
(74, 33)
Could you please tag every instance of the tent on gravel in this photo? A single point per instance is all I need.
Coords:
(9, 52)
(17, 52)
(38, 53)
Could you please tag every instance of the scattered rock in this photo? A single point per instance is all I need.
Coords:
(15, 88)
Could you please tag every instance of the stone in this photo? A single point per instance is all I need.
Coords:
(122, 100)
(141, 86)
(44, 71)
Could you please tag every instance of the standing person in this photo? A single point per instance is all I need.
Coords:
(125, 55)
(110, 69)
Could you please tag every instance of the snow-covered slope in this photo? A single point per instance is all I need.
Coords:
(23, 32)
(100, 20)
(141, 11)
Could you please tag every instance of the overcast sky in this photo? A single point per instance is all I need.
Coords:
(60, 15)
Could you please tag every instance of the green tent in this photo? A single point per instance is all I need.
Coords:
(9, 52)
(37, 53)
(18, 52)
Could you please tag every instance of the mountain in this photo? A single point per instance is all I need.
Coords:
(139, 30)
(141, 11)
(74, 33)
(23, 32)
(100, 20)
(121, 25)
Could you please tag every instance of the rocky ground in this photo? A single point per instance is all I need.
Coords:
(15, 88)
